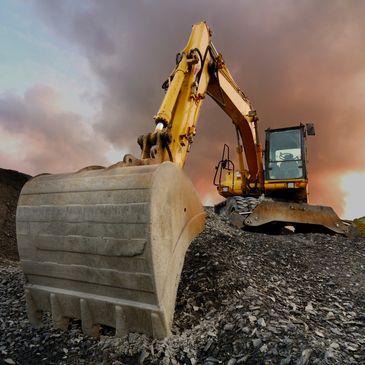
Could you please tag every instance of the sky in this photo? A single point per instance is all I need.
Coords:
(80, 81)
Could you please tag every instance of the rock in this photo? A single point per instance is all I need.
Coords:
(231, 361)
(309, 308)
(261, 322)
(329, 354)
(319, 333)
(256, 342)
(228, 327)
(246, 330)
(335, 345)
(142, 357)
(212, 360)
(263, 348)
(208, 345)
(252, 319)
(285, 361)
(336, 331)
(352, 346)
(9, 361)
(304, 359)
(242, 360)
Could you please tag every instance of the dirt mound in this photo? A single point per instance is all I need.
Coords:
(11, 183)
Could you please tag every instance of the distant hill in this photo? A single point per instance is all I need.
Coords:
(11, 183)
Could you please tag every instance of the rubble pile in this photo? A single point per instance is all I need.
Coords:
(244, 298)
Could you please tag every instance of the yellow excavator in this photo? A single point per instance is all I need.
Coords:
(276, 197)
(107, 245)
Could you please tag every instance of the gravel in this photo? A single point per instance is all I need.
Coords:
(244, 298)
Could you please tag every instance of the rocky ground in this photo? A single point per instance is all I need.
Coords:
(244, 298)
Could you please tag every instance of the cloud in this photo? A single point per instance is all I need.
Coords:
(298, 61)
(47, 139)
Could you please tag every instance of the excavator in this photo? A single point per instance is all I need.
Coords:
(106, 245)
(278, 197)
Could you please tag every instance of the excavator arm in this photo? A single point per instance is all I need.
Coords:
(200, 70)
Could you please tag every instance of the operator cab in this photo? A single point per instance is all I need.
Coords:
(285, 162)
(285, 154)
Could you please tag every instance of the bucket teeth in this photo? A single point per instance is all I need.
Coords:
(120, 322)
(34, 314)
(88, 325)
(158, 327)
(58, 319)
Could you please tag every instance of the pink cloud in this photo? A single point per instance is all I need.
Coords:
(49, 139)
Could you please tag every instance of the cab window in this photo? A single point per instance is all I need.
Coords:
(285, 155)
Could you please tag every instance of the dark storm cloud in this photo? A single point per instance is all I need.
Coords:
(298, 61)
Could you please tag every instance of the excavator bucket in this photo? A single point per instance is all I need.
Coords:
(107, 246)
(302, 216)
